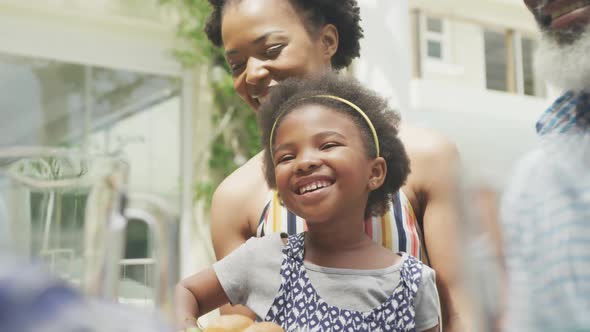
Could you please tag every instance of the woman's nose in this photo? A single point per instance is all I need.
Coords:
(256, 72)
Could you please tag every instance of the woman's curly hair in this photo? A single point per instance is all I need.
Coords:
(343, 14)
(294, 93)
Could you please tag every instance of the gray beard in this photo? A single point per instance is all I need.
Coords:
(565, 66)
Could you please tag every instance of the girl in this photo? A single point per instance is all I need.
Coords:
(332, 153)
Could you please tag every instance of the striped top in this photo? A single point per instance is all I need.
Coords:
(397, 230)
(546, 224)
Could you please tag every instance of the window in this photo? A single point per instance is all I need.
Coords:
(496, 64)
(509, 63)
(129, 115)
(434, 38)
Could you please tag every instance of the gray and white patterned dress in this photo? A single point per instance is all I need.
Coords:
(298, 307)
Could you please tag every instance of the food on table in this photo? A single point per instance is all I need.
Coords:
(264, 327)
(229, 323)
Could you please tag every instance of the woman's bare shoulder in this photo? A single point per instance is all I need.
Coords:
(423, 144)
(242, 183)
(433, 157)
(236, 207)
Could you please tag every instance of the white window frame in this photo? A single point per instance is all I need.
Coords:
(518, 63)
(441, 37)
(540, 91)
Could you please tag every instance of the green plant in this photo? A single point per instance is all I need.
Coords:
(240, 140)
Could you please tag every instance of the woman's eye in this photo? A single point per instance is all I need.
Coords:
(235, 69)
(274, 50)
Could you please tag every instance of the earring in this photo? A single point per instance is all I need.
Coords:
(280, 199)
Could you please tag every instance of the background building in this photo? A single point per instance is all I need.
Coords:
(462, 67)
(100, 76)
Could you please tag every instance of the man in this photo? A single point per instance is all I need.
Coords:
(546, 209)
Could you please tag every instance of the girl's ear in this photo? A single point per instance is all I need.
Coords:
(329, 40)
(378, 173)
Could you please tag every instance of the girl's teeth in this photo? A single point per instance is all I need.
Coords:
(312, 187)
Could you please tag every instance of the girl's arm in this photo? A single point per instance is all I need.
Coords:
(196, 296)
(235, 208)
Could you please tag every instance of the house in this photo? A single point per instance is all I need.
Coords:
(464, 68)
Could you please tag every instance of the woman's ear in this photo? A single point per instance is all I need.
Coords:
(378, 173)
(329, 40)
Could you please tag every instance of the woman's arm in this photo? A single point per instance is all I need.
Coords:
(196, 296)
(436, 180)
(230, 227)
(442, 237)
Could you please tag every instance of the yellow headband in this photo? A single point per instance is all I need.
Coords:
(347, 102)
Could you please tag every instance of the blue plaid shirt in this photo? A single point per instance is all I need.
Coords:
(570, 113)
(546, 223)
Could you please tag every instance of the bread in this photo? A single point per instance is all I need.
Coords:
(229, 323)
(264, 327)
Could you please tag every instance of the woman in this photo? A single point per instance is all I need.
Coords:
(267, 41)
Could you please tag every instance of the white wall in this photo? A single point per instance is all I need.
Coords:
(86, 37)
(501, 13)
(491, 129)
(385, 62)
(468, 50)
(153, 150)
(466, 62)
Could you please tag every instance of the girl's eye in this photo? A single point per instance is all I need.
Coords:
(282, 159)
(328, 145)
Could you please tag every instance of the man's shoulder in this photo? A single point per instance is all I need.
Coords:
(526, 184)
(528, 171)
